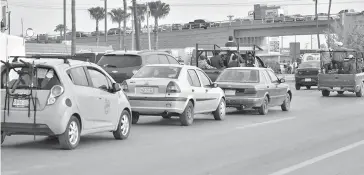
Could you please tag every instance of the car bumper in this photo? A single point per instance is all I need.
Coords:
(334, 89)
(50, 121)
(306, 81)
(244, 102)
(158, 105)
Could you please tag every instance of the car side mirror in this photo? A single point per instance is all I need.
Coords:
(116, 87)
(282, 80)
(214, 85)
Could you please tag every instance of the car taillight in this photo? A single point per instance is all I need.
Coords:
(250, 91)
(56, 91)
(124, 86)
(172, 87)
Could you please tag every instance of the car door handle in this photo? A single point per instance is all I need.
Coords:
(100, 98)
(206, 90)
(193, 90)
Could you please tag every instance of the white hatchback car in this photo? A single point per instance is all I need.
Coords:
(174, 90)
(63, 98)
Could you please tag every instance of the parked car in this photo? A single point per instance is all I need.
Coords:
(177, 27)
(307, 74)
(174, 90)
(63, 92)
(101, 33)
(200, 23)
(254, 88)
(187, 26)
(122, 65)
(114, 31)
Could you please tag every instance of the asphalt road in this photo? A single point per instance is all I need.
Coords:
(323, 136)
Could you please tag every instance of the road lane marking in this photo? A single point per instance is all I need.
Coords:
(265, 123)
(318, 159)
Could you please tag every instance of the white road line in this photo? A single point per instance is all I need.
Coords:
(265, 123)
(317, 159)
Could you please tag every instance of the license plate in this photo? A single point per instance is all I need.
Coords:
(146, 90)
(20, 103)
(307, 79)
(229, 92)
(337, 88)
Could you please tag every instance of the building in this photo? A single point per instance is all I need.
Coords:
(264, 11)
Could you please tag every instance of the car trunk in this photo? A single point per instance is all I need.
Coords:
(336, 80)
(148, 87)
(308, 71)
(18, 102)
(238, 89)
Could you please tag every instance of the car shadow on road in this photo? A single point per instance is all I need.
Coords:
(174, 121)
(47, 143)
(249, 113)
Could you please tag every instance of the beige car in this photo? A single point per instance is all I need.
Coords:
(62, 98)
(173, 90)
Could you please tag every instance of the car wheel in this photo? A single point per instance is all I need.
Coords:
(298, 87)
(308, 87)
(123, 130)
(71, 137)
(325, 93)
(361, 91)
(340, 92)
(135, 118)
(187, 116)
(263, 110)
(286, 106)
(166, 116)
(3, 135)
(220, 112)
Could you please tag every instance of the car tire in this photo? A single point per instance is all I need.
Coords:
(308, 87)
(73, 127)
(135, 118)
(166, 116)
(298, 87)
(340, 92)
(3, 135)
(263, 110)
(286, 106)
(361, 91)
(187, 116)
(123, 129)
(220, 112)
(325, 93)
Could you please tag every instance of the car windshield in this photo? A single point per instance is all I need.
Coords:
(239, 75)
(309, 64)
(22, 78)
(158, 72)
(120, 61)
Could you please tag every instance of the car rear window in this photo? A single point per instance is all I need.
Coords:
(158, 72)
(21, 78)
(309, 64)
(120, 61)
(239, 75)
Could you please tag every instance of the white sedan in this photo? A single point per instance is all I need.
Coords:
(174, 90)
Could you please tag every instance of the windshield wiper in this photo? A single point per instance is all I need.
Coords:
(110, 65)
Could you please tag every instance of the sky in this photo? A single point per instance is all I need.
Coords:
(43, 15)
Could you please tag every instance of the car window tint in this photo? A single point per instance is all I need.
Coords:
(120, 61)
(273, 77)
(99, 80)
(194, 77)
(204, 79)
(172, 60)
(151, 59)
(163, 59)
(78, 76)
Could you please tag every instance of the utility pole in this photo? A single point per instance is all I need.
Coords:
(105, 1)
(148, 15)
(329, 32)
(64, 19)
(318, 32)
(230, 18)
(9, 26)
(136, 26)
(22, 28)
(73, 45)
(132, 32)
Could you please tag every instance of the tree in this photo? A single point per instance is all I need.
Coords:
(97, 14)
(124, 25)
(60, 28)
(158, 10)
(117, 16)
(73, 45)
(353, 38)
(141, 11)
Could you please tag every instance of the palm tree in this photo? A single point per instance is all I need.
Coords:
(117, 16)
(73, 44)
(124, 25)
(98, 14)
(60, 28)
(141, 11)
(158, 10)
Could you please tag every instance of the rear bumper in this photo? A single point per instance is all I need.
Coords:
(338, 88)
(301, 80)
(158, 105)
(26, 129)
(244, 102)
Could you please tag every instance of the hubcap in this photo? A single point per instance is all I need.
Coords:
(288, 101)
(189, 113)
(222, 109)
(124, 124)
(266, 106)
(73, 133)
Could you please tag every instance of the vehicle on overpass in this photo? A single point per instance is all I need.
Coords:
(307, 74)
(226, 52)
(174, 90)
(254, 88)
(52, 96)
(339, 80)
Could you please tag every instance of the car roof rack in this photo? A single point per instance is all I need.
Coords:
(63, 57)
